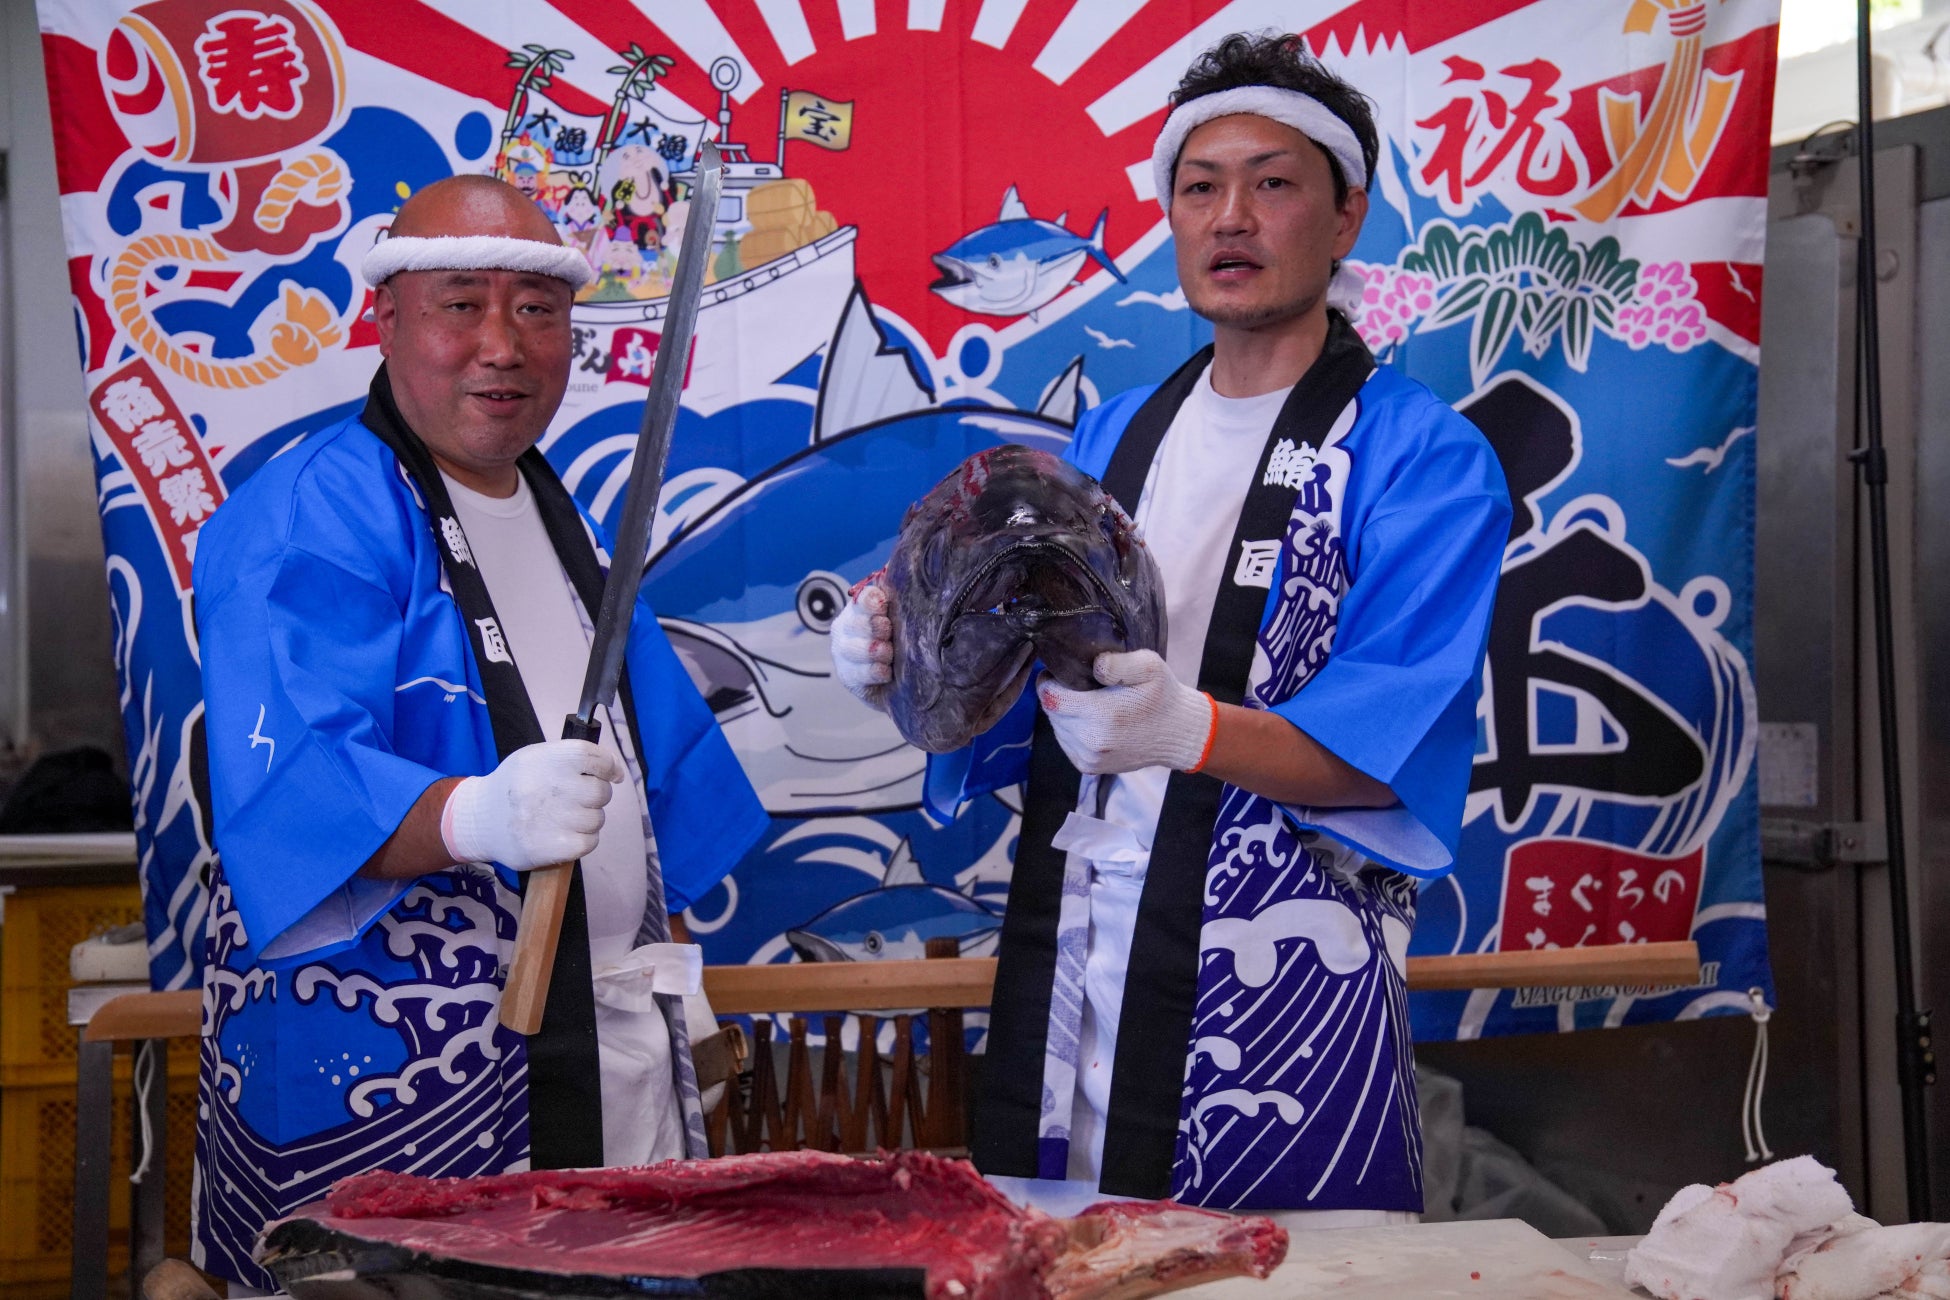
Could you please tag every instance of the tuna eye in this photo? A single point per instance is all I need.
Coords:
(874, 943)
(995, 261)
(821, 598)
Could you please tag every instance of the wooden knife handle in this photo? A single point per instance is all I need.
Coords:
(545, 896)
(542, 904)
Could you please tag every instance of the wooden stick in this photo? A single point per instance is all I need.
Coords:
(970, 981)
(850, 986)
(543, 902)
(176, 1014)
(1637, 964)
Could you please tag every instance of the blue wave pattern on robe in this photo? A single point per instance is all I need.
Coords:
(1301, 1026)
(400, 1062)
(350, 1024)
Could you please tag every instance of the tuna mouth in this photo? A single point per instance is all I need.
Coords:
(813, 947)
(730, 678)
(954, 272)
(1032, 584)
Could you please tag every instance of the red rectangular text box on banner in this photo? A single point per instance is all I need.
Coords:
(1578, 894)
(179, 485)
(632, 352)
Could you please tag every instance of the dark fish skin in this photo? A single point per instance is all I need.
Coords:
(1015, 556)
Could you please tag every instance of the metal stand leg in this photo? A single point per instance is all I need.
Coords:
(94, 1083)
(151, 1113)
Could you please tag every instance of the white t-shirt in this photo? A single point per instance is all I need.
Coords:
(536, 608)
(1188, 514)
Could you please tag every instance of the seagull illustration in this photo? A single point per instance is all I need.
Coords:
(1710, 456)
(256, 739)
(1106, 341)
(1740, 285)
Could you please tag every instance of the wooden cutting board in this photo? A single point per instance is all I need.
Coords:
(1495, 1259)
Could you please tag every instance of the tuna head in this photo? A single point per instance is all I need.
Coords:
(1016, 556)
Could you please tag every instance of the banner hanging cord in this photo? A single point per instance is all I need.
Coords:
(148, 1055)
(1750, 1129)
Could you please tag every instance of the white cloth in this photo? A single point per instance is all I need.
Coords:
(1187, 513)
(536, 607)
(1302, 112)
(399, 253)
(1786, 1230)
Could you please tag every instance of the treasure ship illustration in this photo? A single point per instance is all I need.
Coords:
(617, 189)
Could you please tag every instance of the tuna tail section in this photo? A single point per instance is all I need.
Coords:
(1097, 246)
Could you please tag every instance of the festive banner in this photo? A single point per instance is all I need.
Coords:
(951, 242)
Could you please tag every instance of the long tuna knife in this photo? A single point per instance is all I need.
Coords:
(547, 891)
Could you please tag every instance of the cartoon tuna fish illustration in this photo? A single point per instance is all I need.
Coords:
(749, 590)
(1016, 266)
(897, 920)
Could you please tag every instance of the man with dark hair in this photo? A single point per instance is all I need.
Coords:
(1202, 982)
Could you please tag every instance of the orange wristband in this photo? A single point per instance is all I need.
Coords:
(1211, 734)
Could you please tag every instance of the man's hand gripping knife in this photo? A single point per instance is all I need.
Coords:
(1143, 717)
(542, 806)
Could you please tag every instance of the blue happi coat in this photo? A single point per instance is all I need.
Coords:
(1299, 1087)
(350, 1024)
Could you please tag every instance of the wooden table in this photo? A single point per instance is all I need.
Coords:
(1494, 1259)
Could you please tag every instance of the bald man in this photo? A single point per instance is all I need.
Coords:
(394, 617)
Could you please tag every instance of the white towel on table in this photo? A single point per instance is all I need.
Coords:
(1786, 1231)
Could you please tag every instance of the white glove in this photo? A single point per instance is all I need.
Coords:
(541, 806)
(863, 644)
(1143, 717)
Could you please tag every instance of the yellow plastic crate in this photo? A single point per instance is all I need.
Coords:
(37, 1045)
(37, 1094)
(37, 1138)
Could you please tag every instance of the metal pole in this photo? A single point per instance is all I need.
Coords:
(1914, 1063)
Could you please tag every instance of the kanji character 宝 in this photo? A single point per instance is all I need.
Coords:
(250, 65)
(188, 496)
(818, 122)
(129, 402)
(161, 446)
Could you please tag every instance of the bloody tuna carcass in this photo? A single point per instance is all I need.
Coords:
(1016, 556)
(798, 1225)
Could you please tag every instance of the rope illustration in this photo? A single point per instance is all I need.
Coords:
(309, 325)
(320, 174)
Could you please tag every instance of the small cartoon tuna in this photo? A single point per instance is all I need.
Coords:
(897, 920)
(1016, 266)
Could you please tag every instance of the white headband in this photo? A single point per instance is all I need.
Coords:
(474, 253)
(1303, 113)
